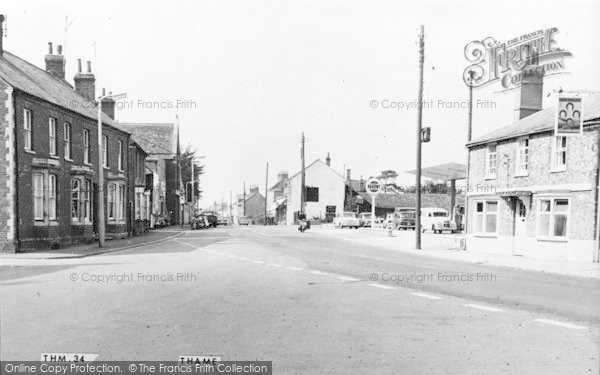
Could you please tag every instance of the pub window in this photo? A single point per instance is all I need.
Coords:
(486, 217)
(553, 217)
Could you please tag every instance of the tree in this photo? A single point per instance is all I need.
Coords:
(187, 156)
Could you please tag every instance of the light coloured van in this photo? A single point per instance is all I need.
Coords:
(437, 220)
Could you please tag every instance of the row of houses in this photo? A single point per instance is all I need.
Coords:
(49, 160)
(327, 193)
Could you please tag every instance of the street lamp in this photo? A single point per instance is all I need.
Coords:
(101, 224)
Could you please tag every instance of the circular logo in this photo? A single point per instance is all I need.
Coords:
(373, 186)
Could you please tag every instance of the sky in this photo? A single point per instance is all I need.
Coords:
(246, 78)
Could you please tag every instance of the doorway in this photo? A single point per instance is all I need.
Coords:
(520, 227)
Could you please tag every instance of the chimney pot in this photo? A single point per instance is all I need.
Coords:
(103, 91)
(79, 65)
(1, 33)
(89, 66)
(59, 49)
(55, 64)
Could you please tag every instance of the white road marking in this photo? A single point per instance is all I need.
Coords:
(346, 278)
(559, 323)
(258, 261)
(318, 273)
(425, 295)
(294, 268)
(381, 286)
(481, 307)
(274, 265)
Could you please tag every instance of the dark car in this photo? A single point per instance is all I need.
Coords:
(212, 219)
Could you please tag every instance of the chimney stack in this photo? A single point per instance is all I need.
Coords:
(108, 105)
(530, 95)
(328, 160)
(283, 175)
(55, 64)
(1, 34)
(85, 83)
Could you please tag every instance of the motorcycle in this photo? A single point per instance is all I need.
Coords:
(303, 224)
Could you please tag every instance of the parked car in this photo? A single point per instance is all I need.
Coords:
(437, 220)
(211, 219)
(346, 219)
(198, 222)
(365, 219)
(405, 217)
(243, 220)
(221, 220)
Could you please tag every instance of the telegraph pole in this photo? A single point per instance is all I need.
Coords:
(266, 191)
(303, 176)
(244, 199)
(419, 126)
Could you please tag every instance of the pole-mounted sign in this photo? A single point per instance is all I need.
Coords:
(373, 188)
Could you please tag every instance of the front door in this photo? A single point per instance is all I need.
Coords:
(520, 227)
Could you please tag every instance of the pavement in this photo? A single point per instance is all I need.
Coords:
(310, 303)
(447, 246)
(86, 250)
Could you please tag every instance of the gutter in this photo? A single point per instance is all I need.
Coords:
(597, 249)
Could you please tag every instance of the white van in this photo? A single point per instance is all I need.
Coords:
(436, 220)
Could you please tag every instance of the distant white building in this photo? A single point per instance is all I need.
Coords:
(325, 190)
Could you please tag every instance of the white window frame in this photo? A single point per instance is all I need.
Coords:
(38, 196)
(111, 201)
(86, 146)
(67, 140)
(120, 157)
(52, 135)
(105, 151)
(552, 217)
(52, 188)
(491, 172)
(87, 200)
(522, 157)
(75, 196)
(28, 129)
(557, 164)
(484, 217)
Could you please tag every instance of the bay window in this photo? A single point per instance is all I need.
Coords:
(52, 197)
(75, 199)
(38, 196)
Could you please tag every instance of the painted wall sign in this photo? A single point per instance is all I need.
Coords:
(509, 62)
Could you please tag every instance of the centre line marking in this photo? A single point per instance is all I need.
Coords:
(318, 273)
(346, 278)
(274, 265)
(381, 286)
(425, 295)
(258, 261)
(481, 307)
(559, 323)
(294, 268)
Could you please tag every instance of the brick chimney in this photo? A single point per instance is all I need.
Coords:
(529, 98)
(55, 64)
(283, 175)
(328, 160)
(1, 34)
(85, 83)
(108, 105)
(254, 189)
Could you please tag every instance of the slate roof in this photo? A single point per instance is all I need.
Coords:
(409, 200)
(35, 81)
(539, 122)
(314, 163)
(154, 138)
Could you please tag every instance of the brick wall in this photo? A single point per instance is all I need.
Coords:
(63, 231)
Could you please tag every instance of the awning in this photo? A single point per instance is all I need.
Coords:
(277, 203)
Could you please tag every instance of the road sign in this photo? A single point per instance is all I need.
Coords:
(373, 186)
